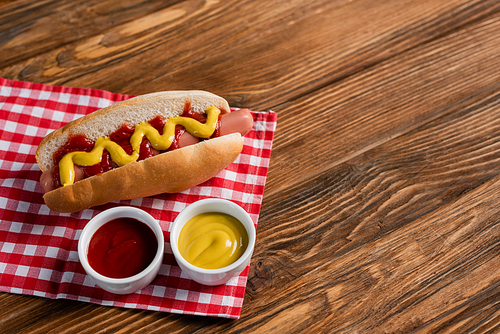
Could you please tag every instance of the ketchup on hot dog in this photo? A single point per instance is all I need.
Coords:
(236, 121)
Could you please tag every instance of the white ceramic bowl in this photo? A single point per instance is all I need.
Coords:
(131, 284)
(212, 276)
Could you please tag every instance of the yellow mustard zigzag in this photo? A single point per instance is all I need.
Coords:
(118, 154)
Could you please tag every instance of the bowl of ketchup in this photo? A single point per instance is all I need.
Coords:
(121, 249)
(212, 240)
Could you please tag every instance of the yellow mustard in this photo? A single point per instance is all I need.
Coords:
(118, 154)
(212, 240)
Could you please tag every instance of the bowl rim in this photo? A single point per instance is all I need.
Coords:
(248, 224)
(119, 212)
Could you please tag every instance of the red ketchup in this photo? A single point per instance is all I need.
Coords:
(122, 247)
(122, 137)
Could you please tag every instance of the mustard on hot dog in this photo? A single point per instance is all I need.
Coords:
(118, 154)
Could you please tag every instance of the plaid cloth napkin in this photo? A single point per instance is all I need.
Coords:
(38, 247)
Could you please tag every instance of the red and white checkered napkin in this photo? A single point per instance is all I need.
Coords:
(38, 247)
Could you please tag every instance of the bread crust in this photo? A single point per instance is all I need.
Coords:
(169, 172)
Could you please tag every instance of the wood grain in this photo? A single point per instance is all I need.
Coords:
(383, 102)
(381, 210)
(253, 65)
(413, 277)
(28, 29)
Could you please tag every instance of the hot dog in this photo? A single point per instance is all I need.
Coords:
(156, 143)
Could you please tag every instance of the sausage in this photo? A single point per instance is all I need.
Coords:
(237, 121)
(240, 120)
(47, 178)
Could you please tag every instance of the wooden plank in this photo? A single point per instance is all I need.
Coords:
(28, 29)
(413, 278)
(385, 101)
(386, 188)
(64, 316)
(15, 307)
(252, 62)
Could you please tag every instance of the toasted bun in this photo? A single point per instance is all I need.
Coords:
(169, 172)
(105, 121)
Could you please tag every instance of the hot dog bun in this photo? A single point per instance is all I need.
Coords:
(169, 172)
(105, 121)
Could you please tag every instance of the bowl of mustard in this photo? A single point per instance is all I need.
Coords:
(212, 240)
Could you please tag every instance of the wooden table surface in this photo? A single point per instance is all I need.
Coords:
(381, 210)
